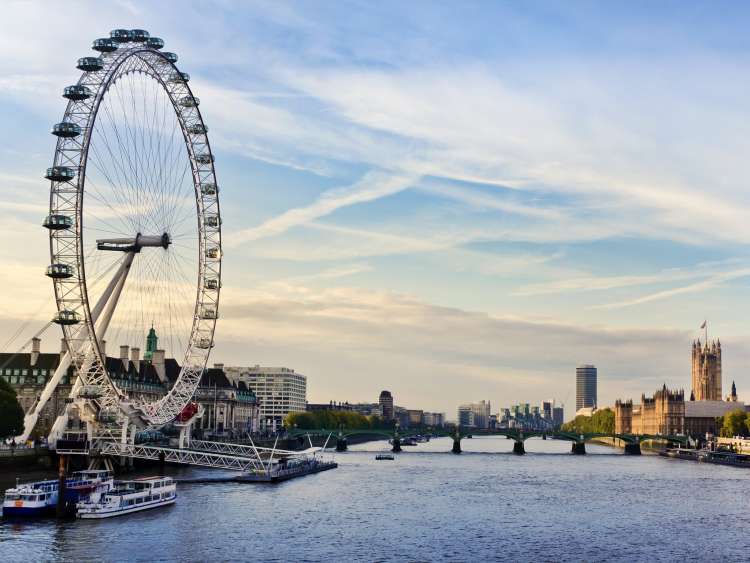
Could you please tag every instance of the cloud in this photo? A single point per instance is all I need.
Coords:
(709, 283)
(374, 185)
(353, 342)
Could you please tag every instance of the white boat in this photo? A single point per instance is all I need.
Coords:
(130, 496)
(41, 497)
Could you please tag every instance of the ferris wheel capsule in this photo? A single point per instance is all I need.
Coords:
(121, 35)
(104, 45)
(60, 174)
(66, 318)
(90, 64)
(139, 35)
(66, 130)
(171, 57)
(155, 43)
(209, 189)
(56, 222)
(77, 93)
(59, 271)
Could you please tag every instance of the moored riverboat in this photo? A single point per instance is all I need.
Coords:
(39, 498)
(127, 497)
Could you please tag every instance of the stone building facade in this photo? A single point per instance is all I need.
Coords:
(229, 406)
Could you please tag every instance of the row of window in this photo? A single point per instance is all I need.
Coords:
(16, 371)
(39, 379)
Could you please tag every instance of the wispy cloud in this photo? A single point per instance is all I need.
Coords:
(374, 185)
(709, 283)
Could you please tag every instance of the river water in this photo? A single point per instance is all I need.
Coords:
(429, 505)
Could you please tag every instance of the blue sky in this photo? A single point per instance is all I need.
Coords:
(454, 201)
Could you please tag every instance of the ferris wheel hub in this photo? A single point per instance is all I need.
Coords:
(134, 244)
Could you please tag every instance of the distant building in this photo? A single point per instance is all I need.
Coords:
(706, 372)
(280, 391)
(415, 417)
(386, 405)
(474, 415)
(585, 386)
(546, 409)
(228, 407)
(433, 419)
(558, 416)
(664, 413)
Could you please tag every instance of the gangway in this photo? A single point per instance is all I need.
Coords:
(182, 456)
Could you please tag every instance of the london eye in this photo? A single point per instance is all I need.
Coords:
(134, 227)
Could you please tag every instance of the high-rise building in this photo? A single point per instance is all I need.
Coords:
(476, 415)
(585, 386)
(386, 405)
(706, 372)
(279, 390)
(558, 416)
(547, 409)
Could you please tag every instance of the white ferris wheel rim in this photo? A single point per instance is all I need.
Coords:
(67, 244)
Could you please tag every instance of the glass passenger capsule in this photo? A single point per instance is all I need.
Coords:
(90, 392)
(189, 102)
(208, 313)
(65, 317)
(204, 158)
(204, 343)
(139, 35)
(213, 253)
(171, 57)
(197, 129)
(56, 222)
(155, 43)
(59, 271)
(66, 130)
(178, 76)
(107, 415)
(211, 283)
(60, 174)
(209, 189)
(213, 221)
(90, 64)
(77, 93)
(121, 35)
(104, 45)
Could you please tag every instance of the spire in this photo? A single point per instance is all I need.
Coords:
(151, 344)
(692, 395)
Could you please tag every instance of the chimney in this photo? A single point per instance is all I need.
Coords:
(135, 355)
(157, 360)
(35, 343)
(124, 356)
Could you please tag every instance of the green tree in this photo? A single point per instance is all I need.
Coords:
(11, 413)
(330, 420)
(601, 422)
(735, 424)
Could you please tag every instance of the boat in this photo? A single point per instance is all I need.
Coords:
(38, 498)
(289, 468)
(127, 497)
(723, 457)
(380, 457)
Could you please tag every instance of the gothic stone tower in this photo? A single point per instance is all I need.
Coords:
(706, 373)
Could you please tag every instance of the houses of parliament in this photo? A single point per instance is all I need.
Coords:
(668, 413)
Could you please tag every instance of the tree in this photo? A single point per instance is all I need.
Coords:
(11, 413)
(735, 424)
(601, 422)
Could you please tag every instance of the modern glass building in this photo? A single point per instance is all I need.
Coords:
(585, 386)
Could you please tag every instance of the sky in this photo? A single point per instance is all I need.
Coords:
(452, 201)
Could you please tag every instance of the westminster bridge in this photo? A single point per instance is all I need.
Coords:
(630, 442)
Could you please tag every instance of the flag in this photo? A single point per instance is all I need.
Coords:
(703, 325)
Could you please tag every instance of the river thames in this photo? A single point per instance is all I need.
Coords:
(429, 505)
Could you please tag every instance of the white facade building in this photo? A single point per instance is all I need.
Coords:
(279, 391)
(474, 415)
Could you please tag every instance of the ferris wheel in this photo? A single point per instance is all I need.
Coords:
(134, 224)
